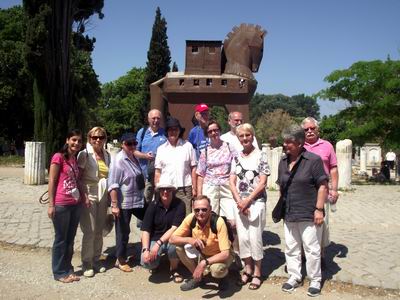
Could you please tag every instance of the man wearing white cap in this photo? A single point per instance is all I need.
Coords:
(162, 218)
(200, 249)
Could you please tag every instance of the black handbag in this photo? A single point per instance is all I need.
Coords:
(278, 213)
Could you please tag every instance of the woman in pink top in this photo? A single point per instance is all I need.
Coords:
(213, 170)
(64, 206)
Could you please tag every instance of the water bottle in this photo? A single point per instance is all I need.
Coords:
(331, 204)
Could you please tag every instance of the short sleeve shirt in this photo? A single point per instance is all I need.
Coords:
(67, 192)
(325, 150)
(175, 163)
(302, 193)
(150, 143)
(159, 220)
(248, 170)
(215, 164)
(215, 243)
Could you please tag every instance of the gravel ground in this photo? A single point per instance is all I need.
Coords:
(25, 274)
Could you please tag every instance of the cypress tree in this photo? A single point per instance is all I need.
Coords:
(49, 43)
(158, 57)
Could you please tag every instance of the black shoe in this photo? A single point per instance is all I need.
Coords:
(190, 284)
(223, 284)
(313, 292)
(287, 287)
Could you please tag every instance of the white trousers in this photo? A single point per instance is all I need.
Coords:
(250, 232)
(221, 199)
(309, 235)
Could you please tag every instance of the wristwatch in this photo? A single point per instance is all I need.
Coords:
(319, 209)
(145, 249)
(207, 262)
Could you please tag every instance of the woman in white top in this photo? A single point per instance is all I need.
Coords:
(248, 179)
(93, 163)
(176, 160)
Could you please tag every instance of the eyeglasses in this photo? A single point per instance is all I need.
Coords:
(101, 137)
(213, 130)
(197, 210)
(130, 144)
(165, 190)
(309, 128)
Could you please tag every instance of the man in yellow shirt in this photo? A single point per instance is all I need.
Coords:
(200, 249)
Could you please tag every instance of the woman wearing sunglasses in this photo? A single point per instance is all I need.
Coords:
(126, 186)
(213, 172)
(65, 206)
(93, 165)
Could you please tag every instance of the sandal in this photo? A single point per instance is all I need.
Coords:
(255, 286)
(66, 279)
(74, 277)
(242, 282)
(176, 277)
(123, 267)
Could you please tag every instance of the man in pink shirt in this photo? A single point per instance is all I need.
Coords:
(325, 150)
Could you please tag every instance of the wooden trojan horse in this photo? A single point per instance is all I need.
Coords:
(214, 76)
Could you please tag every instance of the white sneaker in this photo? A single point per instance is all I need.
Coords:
(88, 273)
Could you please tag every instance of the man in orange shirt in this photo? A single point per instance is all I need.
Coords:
(200, 249)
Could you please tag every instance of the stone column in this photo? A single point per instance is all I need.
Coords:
(34, 172)
(276, 155)
(343, 153)
(363, 160)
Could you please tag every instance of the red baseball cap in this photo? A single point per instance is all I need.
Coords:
(201, 107)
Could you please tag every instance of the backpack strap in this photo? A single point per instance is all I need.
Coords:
(142, 137)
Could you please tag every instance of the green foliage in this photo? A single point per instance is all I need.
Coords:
(270, 125)
(15, 83)
(220, 114)
(373, 89)
(11, 160)
(158, 57)
(120, 106)
(332, 128)
(298, 106)
(58, 67)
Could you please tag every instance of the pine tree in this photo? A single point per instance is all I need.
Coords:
(158, 57)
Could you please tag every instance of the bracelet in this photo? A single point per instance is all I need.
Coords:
(145, 249)
(319, 209)
(160, 242)
(207, 262)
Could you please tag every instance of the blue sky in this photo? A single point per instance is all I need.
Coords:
(306, 40)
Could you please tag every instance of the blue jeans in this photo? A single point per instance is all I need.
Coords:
(165, 248)
(65, 221)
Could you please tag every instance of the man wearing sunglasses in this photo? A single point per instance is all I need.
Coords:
(162, 217)
(325, 150)
(199, 249)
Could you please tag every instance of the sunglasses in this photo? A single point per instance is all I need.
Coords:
(166, 190)
(309, 128)
(197, 210)
(130, 144)
(101, 137)
(213, 130)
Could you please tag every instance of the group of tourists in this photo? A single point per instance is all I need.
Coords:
(201, 201)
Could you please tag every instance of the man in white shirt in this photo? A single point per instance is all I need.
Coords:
(390, 158)
(235, 118)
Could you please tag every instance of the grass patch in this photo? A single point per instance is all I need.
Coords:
(11, 160)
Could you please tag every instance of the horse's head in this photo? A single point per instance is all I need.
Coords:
(243, 49)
